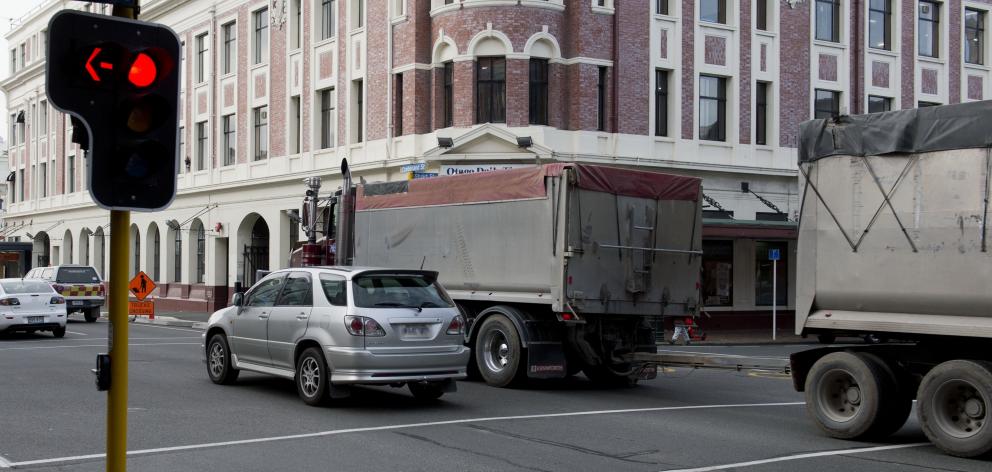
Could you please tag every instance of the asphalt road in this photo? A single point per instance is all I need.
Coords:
(52, 418)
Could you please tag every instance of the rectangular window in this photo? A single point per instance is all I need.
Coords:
(43, 179)
(327, 10)
(182, 144)
(661, 103)
(24, 58)
(770, 216)
(449, 80)
(358, 91)
(20, 180)
(201, 253)
(70, 176)
(326, 118)
(177, 259)
(761, 14)
(828, 20)
(201, 145)
(718, 273)
(713, 11)
(761, 114)
(763, 282)
(230, 139)
(880, 24)
(538, 91)
(260, 121)
(13, 61)
(878, 104)
(490, 90)
(261, 22)
(201, 57)
(974, 36)
(230, 32)
(398, 131)
(295, 130)
(296, 33)
(43, 118)
(928, 36)
(601, 100)
(827, 104)
(712, 108)
(661, 7)
(359, 12)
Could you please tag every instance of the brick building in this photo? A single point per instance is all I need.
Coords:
(277, 90)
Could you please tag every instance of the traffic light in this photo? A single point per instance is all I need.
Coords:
(120, 78)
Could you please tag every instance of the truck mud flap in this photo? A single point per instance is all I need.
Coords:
(546, 360)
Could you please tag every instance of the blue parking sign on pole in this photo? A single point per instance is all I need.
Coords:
(774, 255)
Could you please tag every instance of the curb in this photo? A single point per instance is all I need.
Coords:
(169, 321)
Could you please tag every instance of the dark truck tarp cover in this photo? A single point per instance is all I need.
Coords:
(524, 183)
(927, 129)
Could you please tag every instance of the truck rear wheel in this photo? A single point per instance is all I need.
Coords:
(953, 406)
(92, 314)
(498, 352)
(854, 396)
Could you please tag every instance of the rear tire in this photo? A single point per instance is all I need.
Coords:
(219, 367)
(312, 377)
(92, 314)
(498, 352)
(854, 396)
(59, 332)
(953, 406)
(425, 391)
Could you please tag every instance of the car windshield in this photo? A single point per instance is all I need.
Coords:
(26, 286)
(413, 291)
(77, 275)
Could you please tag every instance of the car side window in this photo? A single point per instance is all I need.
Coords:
(265, 293)
(335, 289)
(46, 274)
(296, 291)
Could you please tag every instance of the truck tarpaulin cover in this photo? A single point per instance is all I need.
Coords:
(524, 183)
(927, 129)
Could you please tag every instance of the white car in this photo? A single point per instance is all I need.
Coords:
(31, 305)
(330, 327)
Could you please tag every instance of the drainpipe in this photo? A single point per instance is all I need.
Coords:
(389, 73)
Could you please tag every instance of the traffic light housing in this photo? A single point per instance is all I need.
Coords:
(120, 78)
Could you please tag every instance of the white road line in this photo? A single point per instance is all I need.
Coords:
(77, 333)
(49, 341)
(4, 463)
(335, 432)
(93, 345)
(794, 457)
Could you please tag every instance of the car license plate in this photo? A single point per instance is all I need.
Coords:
(77, 303)
(415, 331)
(36, 319)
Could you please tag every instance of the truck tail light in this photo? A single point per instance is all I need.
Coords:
(57, 301)
(101, 290)
(456, 326)
(9, 301)
(58, 287)
(363, 326)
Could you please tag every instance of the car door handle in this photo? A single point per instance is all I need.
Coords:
(302, 316)
(263, 316)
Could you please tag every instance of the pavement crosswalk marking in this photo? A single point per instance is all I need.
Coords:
(794, 457)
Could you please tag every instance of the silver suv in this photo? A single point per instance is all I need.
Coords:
(331, 327)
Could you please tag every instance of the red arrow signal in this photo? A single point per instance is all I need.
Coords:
(89, 65)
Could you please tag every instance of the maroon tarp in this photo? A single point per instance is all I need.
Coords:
(525, 183)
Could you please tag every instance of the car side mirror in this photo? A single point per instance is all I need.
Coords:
(238, 299)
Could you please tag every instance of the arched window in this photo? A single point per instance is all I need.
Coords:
(201, 251)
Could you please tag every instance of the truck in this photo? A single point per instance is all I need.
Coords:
(558, 268)
(894, 242)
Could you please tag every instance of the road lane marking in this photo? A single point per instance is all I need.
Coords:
(93, 345)
(49, 341)
(794, 457)
(77, 333)
(335, 432)
(4, 463)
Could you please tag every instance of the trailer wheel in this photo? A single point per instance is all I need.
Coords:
(498, 352)
(953, 406)
(853, 396)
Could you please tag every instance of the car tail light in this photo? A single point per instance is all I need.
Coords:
(57, 301)
(363, 326)
(373, 329)
(456, 326)
(9, 301)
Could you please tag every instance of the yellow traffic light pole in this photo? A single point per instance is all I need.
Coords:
(120, 228)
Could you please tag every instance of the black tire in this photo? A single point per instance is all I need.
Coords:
(499, 355)
(826, 338)
(425, 391)
(59, 332)
(219, 367)
(897, 401)
(92, 314)
(847, 393)
(953, 407)
(312, 377)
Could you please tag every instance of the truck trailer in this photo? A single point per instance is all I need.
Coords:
(558, 268)
(894, 241)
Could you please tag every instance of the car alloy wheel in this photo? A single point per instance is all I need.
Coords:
(309, 377)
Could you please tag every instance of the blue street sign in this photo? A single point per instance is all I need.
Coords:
(424, 175)
(773, 255)
(414, 167)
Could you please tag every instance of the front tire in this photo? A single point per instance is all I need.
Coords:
(498, 352)
(219, 367)
(312, 377)
(92, 315)
(953, 406)
(854, 396)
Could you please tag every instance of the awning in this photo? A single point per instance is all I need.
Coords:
(11, 176)
(750, 229)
